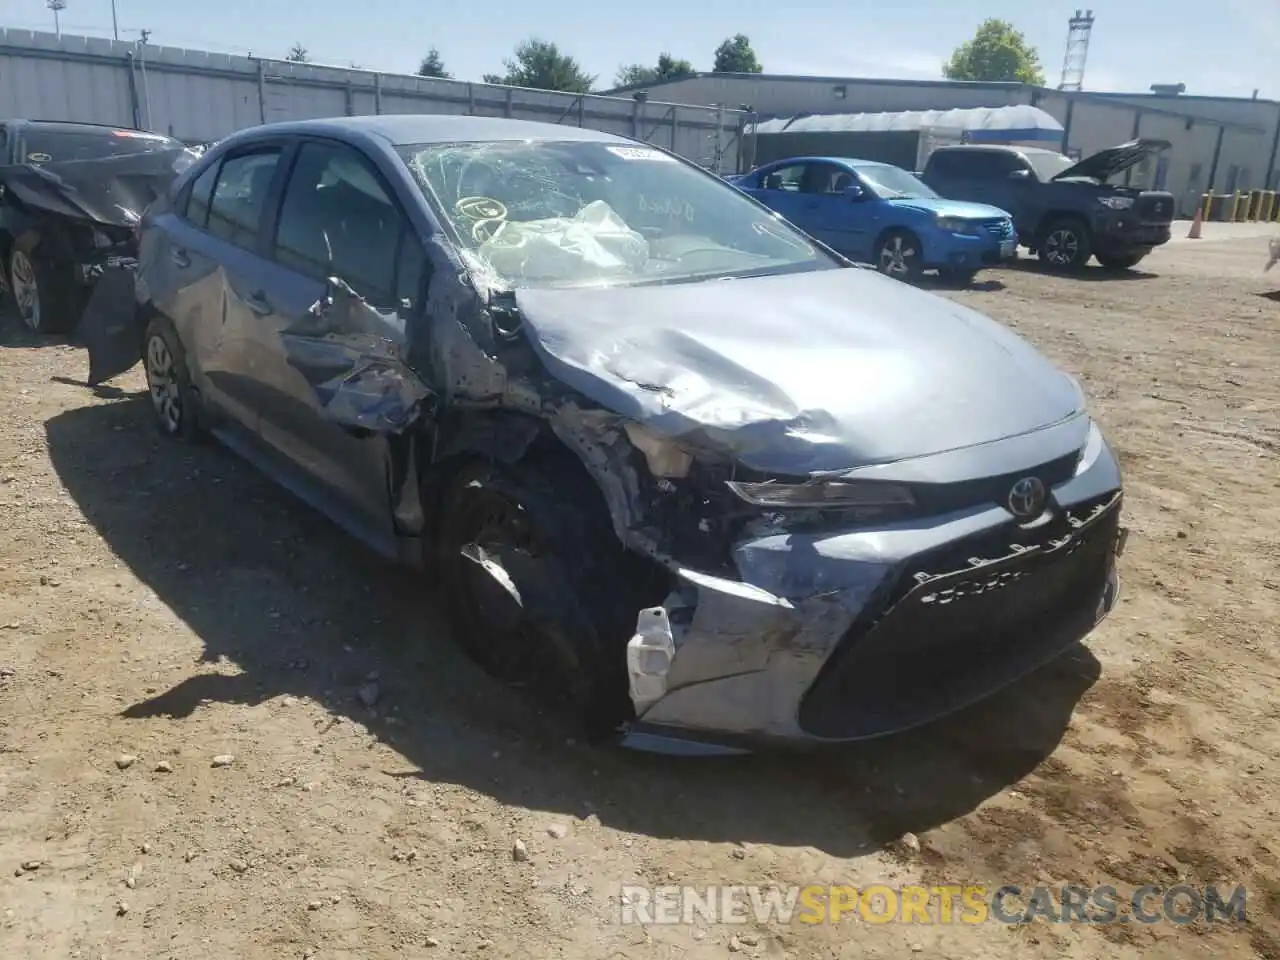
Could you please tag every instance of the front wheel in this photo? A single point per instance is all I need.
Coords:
(539, 589)
(1124, 261)
(899, 255)
(1065, 245)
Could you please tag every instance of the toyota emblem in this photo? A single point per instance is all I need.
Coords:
(1026, 499)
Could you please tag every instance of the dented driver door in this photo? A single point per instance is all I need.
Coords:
(342, 280)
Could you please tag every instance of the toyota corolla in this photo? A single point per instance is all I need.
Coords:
(673, 464)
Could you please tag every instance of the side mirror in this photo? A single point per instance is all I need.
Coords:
(854, 192)
(1020, 175)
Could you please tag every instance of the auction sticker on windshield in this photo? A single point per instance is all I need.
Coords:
(640, 153)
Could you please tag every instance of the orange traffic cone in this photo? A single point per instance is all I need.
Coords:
(1194, 232)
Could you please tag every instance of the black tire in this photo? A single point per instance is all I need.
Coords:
(1064, 244)
(1124, 261)
(46, 298)
(175, 407)
(545, 525)
(957, 276)
(898, 254)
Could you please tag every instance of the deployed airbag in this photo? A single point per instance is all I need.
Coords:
(594, 241)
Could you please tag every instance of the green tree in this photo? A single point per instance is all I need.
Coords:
(433, 66)
(735, 55)
(298, 54)
(668, 68)
(541, 65)
(996, 52)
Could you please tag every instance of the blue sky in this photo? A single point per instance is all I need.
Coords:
(1229, 47)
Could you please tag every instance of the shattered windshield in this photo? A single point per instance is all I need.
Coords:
(894, 183)
(552, 213)
(55, 145)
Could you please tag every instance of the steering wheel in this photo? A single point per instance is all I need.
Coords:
(488, 215)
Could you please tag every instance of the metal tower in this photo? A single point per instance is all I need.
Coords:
(1078, 29)
(57, 6)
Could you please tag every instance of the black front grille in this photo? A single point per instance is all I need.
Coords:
(1155, 209)
(940, 498)
(1001, 228)
(963, 622)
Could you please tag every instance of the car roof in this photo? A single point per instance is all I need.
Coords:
(401, 129)
(999, 148)
(851, 161)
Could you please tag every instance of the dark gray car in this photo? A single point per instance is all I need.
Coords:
(673, 464)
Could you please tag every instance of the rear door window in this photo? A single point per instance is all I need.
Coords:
(957, 164)
(337, 219)
(240, 196)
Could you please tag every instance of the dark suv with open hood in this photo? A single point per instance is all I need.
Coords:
(1065, 211)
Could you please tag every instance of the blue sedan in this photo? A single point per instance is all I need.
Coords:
(880, 214)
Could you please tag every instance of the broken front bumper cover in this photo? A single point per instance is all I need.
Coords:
(877, 631)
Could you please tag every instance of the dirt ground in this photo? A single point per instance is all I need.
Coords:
(171, 605)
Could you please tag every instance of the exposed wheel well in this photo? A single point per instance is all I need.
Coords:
(500, 436)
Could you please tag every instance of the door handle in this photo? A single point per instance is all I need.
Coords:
(180, 257)
(259, 303)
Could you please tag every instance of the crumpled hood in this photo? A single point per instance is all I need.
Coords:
(793, 374)
(943, 207)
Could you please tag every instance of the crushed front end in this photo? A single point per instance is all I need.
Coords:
(840, 634)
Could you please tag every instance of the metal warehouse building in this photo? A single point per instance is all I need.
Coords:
(1220, 144)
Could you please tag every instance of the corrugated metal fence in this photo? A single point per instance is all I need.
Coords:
(195, 95)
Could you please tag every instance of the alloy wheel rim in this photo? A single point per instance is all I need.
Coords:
(894, 255)
(166, 396)
(1062, 247)
(26, 290)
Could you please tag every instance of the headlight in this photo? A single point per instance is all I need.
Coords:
(823, 493)
(954, 225)
(1091, 449)
(1116, 203)
(666, 458)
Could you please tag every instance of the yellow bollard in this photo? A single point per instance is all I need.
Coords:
(1234, 207)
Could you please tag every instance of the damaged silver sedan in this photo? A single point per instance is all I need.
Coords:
(676, 467)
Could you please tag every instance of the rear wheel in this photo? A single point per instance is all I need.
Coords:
(899, 255)
(541, 593)
(173, 401)
(45, 300)
(1124, 261)
(1065, 244)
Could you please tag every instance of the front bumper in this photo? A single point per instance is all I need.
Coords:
(1124, 231)
(962, 251)
(856, 635)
